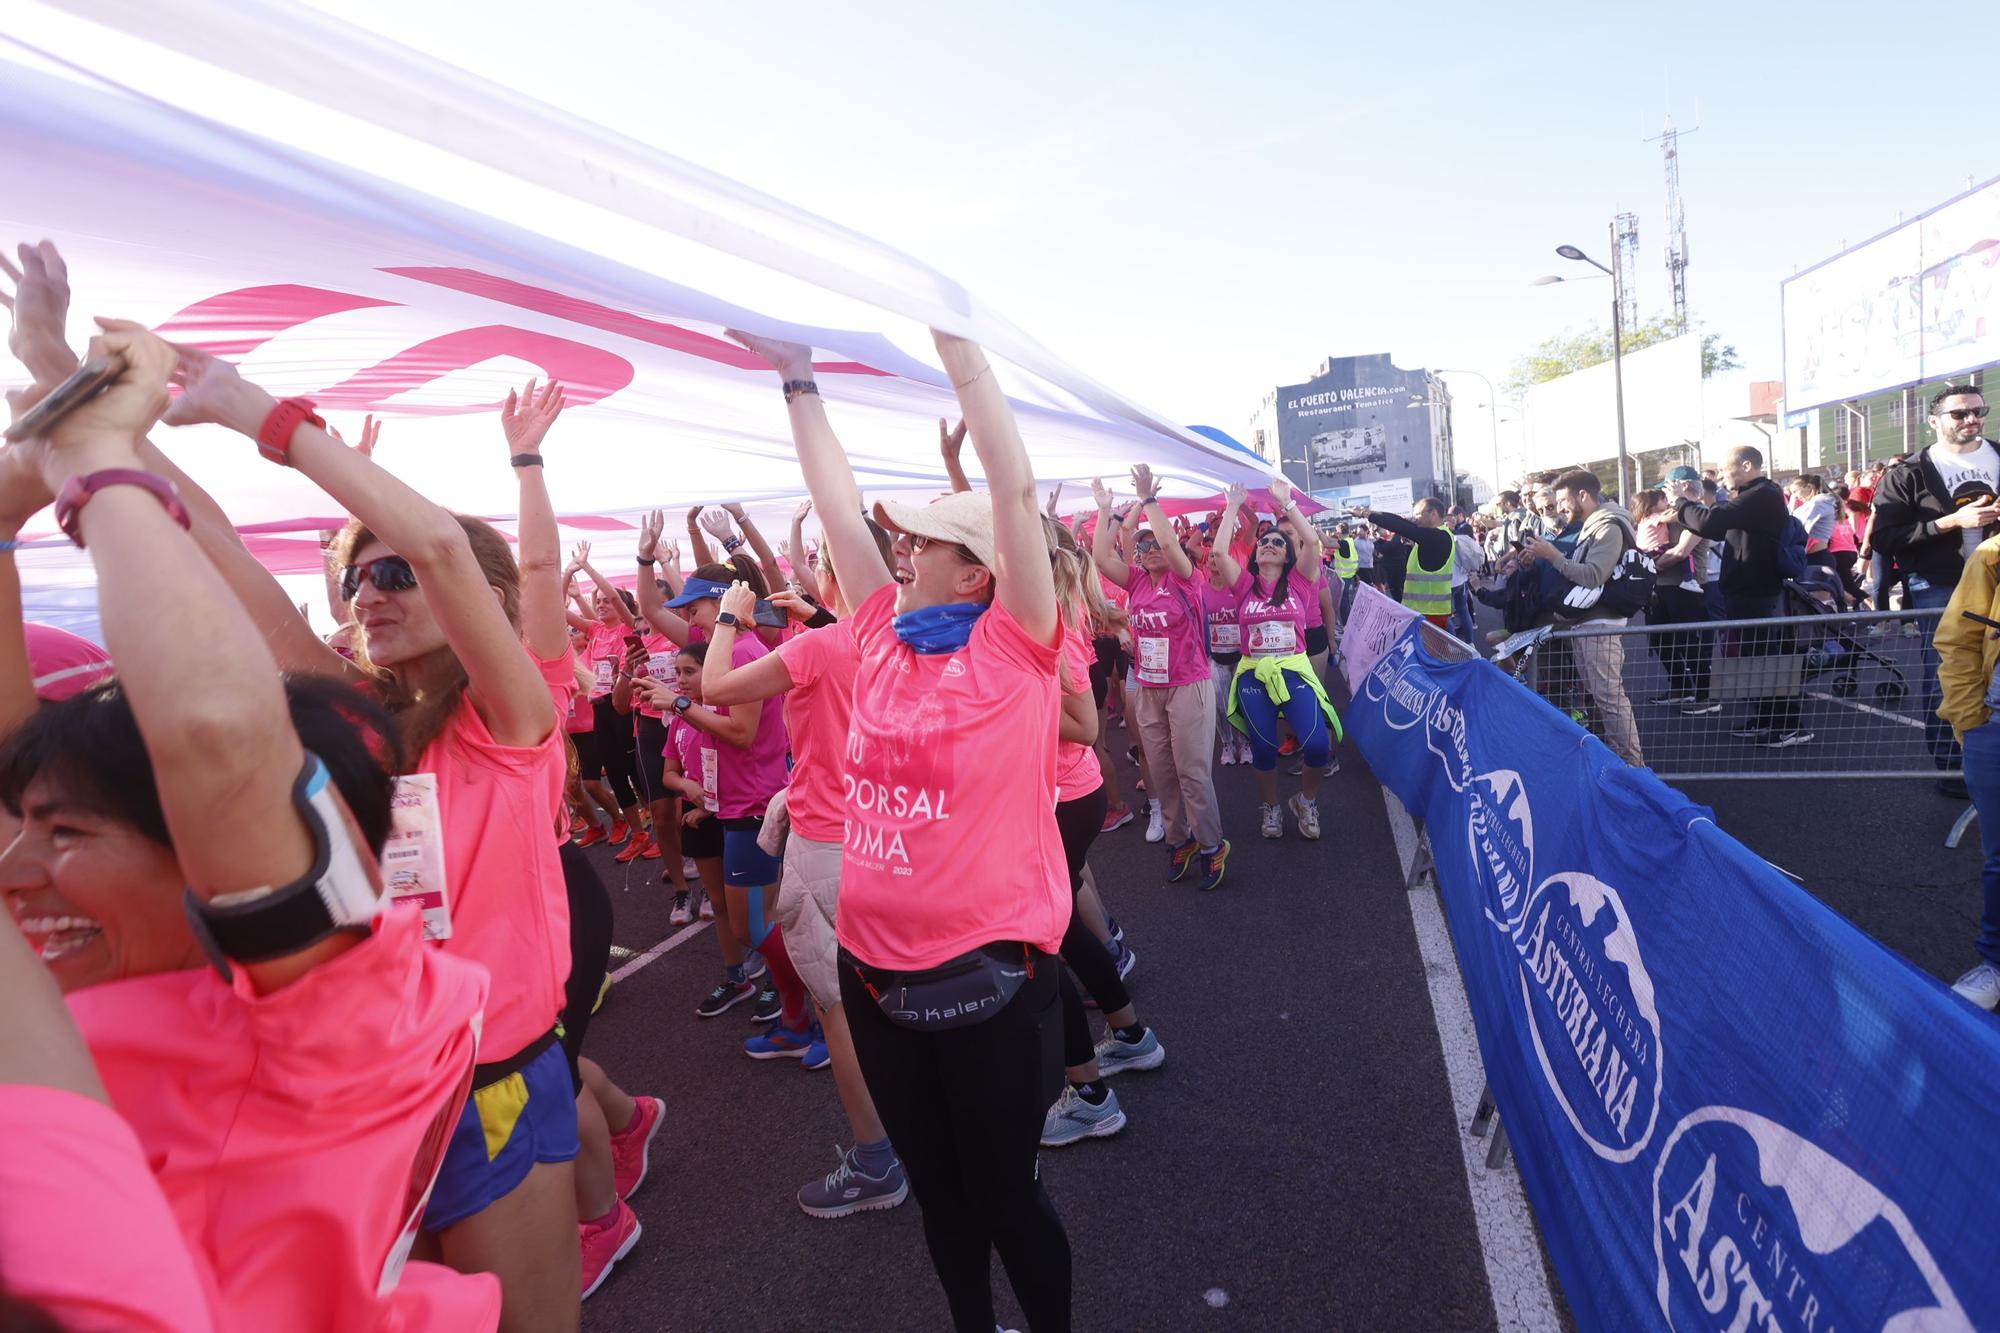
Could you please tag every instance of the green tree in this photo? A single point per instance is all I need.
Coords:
(1567, 352)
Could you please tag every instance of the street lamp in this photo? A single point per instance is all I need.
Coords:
(1617, 347)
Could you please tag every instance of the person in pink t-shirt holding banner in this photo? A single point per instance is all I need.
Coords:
(1176, 694)
(196, 867)
(953, 894)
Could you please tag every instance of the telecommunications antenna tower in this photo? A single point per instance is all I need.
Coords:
(1677, 236)
(1625, 266)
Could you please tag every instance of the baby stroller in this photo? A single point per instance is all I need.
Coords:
(1835, 649)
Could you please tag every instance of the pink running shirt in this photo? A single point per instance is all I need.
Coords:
(1168, 629)
(660, 654)
(951, 837)
(751, 776)
(1225, 635)
(1273, 631)
(695, 749)
(1077, 772)
(1315, 581)
(296, 1134)
(818, 708)
(84, 1231)
(607, 649)
(503, 877)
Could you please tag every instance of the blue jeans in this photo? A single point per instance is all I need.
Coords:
(1937, 732)
(1462, 623)
(1982, 776)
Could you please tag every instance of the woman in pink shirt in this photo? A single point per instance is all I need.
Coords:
(814, 673)
(1176, 695)
(610, 625)
(952, 898)
(296, 1094)
(456, 641)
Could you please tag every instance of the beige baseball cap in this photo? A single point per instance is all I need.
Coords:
(964, 517)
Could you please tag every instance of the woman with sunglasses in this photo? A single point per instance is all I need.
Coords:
(1176, 695)
(1275, 678)
(464, 651)
(194, 861)
(955, 665)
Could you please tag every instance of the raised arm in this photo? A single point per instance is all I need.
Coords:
(505, 685)
(1024, 582)
(1103, 545)
(650, 605)
(1223, 571)
(829, 477)
(619, 611)
(951, 444)
(525, 418)
(1288, 506)
(1163, 528)
(767, 559)
(797, 555)
(698, 544)
(23, 494)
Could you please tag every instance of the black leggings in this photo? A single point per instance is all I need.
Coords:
(1079, 821)
(614, 747)
(589, 950)
(964, 1109)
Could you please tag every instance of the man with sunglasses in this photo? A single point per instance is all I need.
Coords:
(1931, 513)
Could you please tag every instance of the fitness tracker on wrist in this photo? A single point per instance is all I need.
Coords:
(728, 618)
(682, 703)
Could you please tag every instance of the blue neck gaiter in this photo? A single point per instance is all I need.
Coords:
(939, 629)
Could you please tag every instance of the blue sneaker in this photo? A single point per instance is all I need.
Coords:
(1115, 1056)
(1181, 859)
(780, 1043)
(817, 1056)
(1072, 1119)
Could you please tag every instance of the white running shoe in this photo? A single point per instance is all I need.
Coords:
(1981, 986)
(682, 913)
(1072, 1119)
(689, 870)
(1307, 813)
(1274, 820)
(707, 907)
(1228, 752)
(1156, 829)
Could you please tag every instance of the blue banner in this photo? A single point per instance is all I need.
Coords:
(1732, 1110)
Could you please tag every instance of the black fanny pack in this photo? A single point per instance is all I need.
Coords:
(957, 993)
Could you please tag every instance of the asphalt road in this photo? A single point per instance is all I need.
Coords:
(1295, 1164)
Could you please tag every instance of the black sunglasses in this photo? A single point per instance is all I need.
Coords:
(1961, 413)
(389, 573)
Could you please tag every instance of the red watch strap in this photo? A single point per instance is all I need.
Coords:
(274, 437)
(76, 493)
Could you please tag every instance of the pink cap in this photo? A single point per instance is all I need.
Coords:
(64, 663)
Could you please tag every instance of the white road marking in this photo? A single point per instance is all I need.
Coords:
(1867, 708)
(662, 949)
(1515, 1275)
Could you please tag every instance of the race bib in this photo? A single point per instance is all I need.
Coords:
(1274, 638)
(1153, 655)
(708, 780)
(605, 674)
(660, 666)
(1225, 637)
(413, 856)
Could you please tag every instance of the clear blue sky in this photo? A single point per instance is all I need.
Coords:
(1196, 202)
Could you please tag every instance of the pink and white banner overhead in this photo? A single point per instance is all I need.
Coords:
(419, 278)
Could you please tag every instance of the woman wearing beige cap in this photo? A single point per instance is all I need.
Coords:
(953, 895)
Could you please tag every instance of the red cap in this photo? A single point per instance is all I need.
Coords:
(64, 663)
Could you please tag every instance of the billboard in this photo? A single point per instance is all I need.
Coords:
(1920, 302)
(1361, 420)
(1392, 497)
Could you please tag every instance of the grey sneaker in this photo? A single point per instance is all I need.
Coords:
(1981, 986)
(1307, 813)
(1115, 1056)
(847, 1189)
(1072, 1119)
(754, 965)
(1274, 820)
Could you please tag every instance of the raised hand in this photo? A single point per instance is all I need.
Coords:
(791, 360)
(1281, 492)
(717, 523)
(670, 552)
(105, 431)
(793, 604)
(23, 493)
(40, 306)
(1238, 494)
(527, 415)
(1054, 497)
(1142, 481)
(1100, 493)
(580, 556)
(649, 534)
(212, 390)
(950, 439)
(800, 514)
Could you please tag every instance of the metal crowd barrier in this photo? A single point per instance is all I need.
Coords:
(1830, 696)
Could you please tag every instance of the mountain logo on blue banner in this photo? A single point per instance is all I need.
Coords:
(1755, 1227)
(1500, 832)
(1405, 703)
(1591, 1012)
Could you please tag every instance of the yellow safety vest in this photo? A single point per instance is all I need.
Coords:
(1346, 560)
(1428, 591)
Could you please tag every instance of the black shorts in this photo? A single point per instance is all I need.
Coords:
(1109, 666)
(1316, 640)
(652, 744)
(703, 841)
(589, 763)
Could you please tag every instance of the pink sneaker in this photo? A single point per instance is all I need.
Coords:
(1117, 817)
(629, 1149)
(606, 1241)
